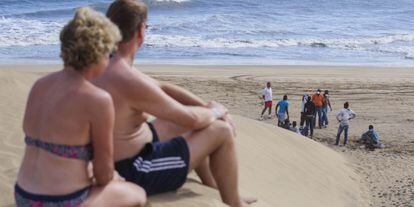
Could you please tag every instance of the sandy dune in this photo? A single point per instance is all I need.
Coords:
(281, 169)
(277, 166)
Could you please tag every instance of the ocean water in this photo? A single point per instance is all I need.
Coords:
(322, 32)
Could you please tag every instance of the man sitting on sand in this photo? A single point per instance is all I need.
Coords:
(371, 138)
(187, 133)
(294, 127)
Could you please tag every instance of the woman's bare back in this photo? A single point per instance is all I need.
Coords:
(57, 112)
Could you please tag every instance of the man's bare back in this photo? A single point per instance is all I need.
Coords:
(130, 131)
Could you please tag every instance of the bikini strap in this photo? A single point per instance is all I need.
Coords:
(81, 152)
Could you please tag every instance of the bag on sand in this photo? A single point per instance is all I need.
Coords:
(304, 131)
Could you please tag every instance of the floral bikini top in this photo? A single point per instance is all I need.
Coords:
(81, 152)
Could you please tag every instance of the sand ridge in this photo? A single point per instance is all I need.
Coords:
(296, 171)
(380, 96)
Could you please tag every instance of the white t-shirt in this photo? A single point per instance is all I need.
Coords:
(304, 101)
(267, 92)
(344, 116)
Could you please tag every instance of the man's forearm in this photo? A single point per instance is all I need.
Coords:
(181, 95)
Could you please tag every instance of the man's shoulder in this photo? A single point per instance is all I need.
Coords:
(123, 75)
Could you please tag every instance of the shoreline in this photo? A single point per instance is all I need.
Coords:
(226, 69)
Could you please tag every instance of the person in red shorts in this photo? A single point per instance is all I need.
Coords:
(267, 97)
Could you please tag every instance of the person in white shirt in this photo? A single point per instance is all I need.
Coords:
(343, 118)
(294, 128)
(302, 109)
(267, 97)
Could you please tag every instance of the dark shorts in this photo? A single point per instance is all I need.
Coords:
(24, 198)
(159, 167)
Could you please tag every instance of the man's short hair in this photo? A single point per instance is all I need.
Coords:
(128, 15)
(346, 105)
(370, 127)
(285, 97)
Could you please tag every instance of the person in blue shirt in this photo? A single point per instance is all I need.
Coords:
(283, 113)
(371, 138)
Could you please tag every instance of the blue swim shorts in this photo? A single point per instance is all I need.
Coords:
(161, 166)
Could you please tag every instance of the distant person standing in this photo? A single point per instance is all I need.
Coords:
(267, 97)
(343, 118)
(302, 109)
(309, 114)
(318, 100)
(283, 113)
(326, 104)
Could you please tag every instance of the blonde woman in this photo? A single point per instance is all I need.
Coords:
(69, 123)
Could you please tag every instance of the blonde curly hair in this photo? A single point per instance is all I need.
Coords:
(87, 38)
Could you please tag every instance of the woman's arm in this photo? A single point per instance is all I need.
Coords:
(102, 123)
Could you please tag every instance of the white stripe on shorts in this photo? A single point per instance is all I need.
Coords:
(165, 163)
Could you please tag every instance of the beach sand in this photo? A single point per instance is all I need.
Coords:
(279, 167)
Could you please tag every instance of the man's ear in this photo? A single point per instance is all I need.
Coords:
(141, 34)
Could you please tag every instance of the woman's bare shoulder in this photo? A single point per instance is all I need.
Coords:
(97, 96)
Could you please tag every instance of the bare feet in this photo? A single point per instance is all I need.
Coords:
(246, 201)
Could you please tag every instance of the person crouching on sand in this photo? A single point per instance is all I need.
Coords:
(68, 123)
(187, 133)
(371, 139)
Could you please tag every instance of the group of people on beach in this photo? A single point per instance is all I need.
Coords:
(315, 109)
(88, 139)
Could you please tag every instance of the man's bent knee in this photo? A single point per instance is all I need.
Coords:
(223, 130)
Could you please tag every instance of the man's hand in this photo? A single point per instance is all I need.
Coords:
(226, 116)
(219, 107)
